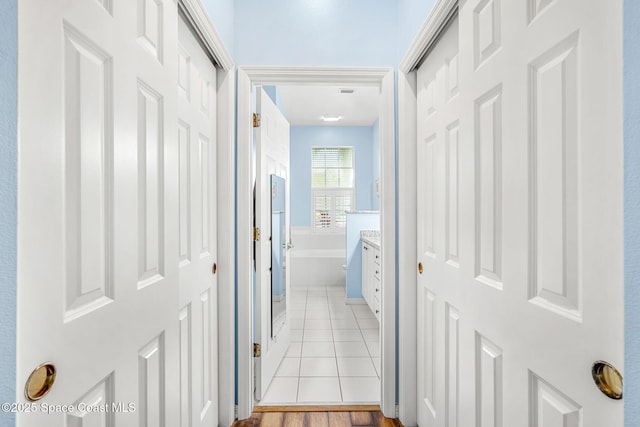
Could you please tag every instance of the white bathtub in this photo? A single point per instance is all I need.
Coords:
(317, 259)
(317, 267)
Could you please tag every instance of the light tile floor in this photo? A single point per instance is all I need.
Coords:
(334, 356)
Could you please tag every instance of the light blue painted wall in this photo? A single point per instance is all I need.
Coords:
(411, 15)
(221, 13)
(316, 32)
(272, 91)
(305, 137)
(8, 121)
(375, 164)
(356, 222)
(632, 212)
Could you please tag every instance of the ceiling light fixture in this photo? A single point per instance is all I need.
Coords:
(331, 118)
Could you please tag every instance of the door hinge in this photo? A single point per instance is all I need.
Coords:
(256, 234)
(256, 120)
(257, 351)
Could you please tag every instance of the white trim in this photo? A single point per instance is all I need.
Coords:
(200, 21)
(428, 34)
(407, 193)
(226, 244)
(381, 77)
(407, 257)
(245, 248)
(225, 157)
(315, 75)
(388, 245)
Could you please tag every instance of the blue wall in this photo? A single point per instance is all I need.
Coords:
(316, 32)
(305, 137)
(8, 121)
(411, 15)
(632, 212)
(356, 222)
(221, 13)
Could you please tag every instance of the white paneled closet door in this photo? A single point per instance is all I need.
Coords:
(520, 215)
(100, 228)
(197, 231)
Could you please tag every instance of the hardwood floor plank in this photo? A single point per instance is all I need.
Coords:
(318, 419)
(253, 421)
(272, 419)
(323, 416)
(339, 419)
(361, 419)
(295, 419)
(382, 421)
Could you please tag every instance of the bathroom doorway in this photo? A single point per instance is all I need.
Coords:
(334, 355)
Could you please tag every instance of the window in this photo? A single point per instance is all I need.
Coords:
(332, 177)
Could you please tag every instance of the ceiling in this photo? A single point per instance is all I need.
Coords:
(305, 105)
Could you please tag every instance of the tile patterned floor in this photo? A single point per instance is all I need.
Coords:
(334, 356)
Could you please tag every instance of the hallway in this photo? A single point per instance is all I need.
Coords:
(334, 356)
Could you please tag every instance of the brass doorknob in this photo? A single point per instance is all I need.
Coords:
(420, 267)
(40, 382)
(214, 269)
(608, 379)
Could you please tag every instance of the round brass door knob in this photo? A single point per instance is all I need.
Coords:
(608, 379)
(420, 267)
(214, 269)
(40, 382)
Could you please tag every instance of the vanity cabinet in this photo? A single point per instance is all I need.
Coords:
(371, 284)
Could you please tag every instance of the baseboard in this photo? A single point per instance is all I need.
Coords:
(355, 301)
(318, 408)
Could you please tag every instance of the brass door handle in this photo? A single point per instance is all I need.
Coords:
(608, 379)
(214, 268)
(40, 382)
(420, 267)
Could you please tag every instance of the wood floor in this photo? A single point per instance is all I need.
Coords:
(317, 416)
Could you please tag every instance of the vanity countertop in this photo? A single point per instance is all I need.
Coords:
(371, 236)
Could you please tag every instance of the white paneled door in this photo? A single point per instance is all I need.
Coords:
(272, 158)
(520, 215)
(197, 232)
(116, 235)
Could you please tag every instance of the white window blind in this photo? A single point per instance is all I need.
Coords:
(332, 179)
(332, 167)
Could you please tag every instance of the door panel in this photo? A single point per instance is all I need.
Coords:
(520, 215)
(272, 157)
(196, 130)
(95, 212)
(101, 216)
(440, 209)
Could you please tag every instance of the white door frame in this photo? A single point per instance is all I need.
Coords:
(407, 194)
(383, 78)
(225, 171)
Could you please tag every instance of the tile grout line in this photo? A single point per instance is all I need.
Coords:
(335, 353)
